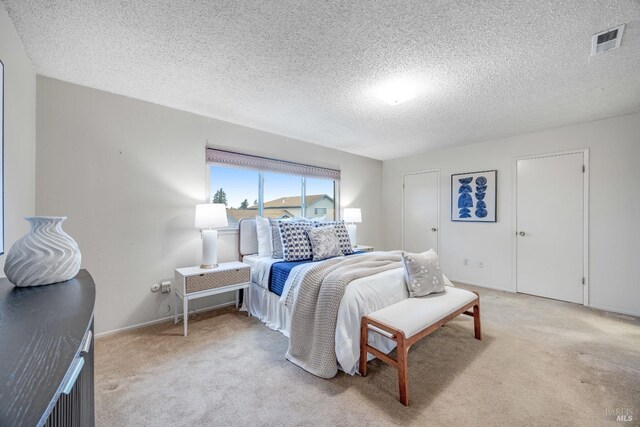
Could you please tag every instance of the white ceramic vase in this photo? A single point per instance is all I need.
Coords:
(44, 255)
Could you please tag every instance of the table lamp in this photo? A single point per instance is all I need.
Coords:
(352, 216)
(208, 217)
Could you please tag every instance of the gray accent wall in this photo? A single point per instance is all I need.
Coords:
(129, 173)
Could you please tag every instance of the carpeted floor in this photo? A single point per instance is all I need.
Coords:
(541, 362)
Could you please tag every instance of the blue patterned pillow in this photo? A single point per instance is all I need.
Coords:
(343, 235)
(296, 245)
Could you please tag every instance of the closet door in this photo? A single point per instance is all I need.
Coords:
(420, 211)
(550, 226)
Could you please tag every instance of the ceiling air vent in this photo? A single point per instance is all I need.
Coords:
(606, 40)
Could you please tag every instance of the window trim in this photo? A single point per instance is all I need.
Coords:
(303, 197)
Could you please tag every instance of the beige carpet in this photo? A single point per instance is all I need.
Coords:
(541, 362)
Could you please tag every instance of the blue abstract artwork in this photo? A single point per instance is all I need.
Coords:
(465, 201)
(481, 188)
(473, 196)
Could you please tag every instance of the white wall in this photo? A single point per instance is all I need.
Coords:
(128, 174)
(614, 207)
(19, 134)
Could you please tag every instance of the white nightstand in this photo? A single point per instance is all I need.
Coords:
(196, 282)
(363, 248)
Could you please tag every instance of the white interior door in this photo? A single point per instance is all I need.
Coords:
(550, 226)
(420, 207)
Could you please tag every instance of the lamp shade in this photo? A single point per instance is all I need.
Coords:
(352, 215)
(211, 215)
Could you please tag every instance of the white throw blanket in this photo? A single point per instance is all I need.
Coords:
(313, 323)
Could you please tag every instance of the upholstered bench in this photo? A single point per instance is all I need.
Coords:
(408, 321)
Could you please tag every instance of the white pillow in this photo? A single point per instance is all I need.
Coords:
(263, 228)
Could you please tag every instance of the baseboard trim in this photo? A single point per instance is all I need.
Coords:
(467, 282)
(594, 306)
(615, 310)
(164, 319)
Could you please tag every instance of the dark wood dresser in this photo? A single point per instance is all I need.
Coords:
(46, 353)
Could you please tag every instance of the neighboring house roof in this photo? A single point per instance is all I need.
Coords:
(292, 201)
(235, 215)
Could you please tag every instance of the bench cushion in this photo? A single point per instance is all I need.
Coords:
(412, 315)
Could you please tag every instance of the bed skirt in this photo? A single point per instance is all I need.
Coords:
(265, 305)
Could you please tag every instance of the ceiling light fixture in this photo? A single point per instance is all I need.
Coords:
(396, 91)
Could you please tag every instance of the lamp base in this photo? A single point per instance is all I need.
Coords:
(208, 266)
(209, 249)
(352, 230)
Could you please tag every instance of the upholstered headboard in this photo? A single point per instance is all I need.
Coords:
(248, 237)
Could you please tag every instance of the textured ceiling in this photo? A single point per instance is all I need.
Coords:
(307, 69)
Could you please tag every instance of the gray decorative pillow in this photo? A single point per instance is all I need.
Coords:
(276, 240)
(342, 233)
(295, 242)
(422, 273)
(324, 242)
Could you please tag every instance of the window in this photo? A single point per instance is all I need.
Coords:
(319, 198)
(236, 188)
(251, 186)
(282, 195)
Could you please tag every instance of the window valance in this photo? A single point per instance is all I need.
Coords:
(230, 158)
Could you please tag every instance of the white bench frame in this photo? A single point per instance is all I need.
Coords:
(404, 343)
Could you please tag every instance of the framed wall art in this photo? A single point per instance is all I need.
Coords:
(473, 196)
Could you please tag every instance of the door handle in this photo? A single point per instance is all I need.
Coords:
(434, 229)
(522, 233)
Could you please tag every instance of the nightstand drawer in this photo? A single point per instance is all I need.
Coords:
(217, 279)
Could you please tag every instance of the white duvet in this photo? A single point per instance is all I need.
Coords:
(364, 296)
(361, 297)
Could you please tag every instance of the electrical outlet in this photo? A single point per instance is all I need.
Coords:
(166, 287)
(465, 261)
(480, 264)
(155, 287)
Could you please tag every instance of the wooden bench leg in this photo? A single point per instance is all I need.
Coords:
(364, 337)
(476, 321)
(403, 377)
(403, 345)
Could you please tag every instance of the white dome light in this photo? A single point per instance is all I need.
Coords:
(396, 91)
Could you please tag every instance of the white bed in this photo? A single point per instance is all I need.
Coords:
(361, 297)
